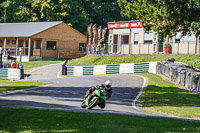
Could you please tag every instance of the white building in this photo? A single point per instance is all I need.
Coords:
(128, 37)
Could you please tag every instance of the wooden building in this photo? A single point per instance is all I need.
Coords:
(42, 40)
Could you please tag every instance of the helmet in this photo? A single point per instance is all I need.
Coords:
(108, 84)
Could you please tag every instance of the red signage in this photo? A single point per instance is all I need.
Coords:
(135, 24)
(118, 25)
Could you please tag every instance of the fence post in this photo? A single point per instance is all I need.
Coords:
(172, 46)
(178, 49)
(139, 48)
(63, 67)
(123, 49)
(21, 73)
(188, 48)
(1, 64)
(198, 85)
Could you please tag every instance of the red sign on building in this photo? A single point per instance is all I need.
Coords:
(118, 25)
(135, 24)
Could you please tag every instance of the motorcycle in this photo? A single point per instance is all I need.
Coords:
(93, 99)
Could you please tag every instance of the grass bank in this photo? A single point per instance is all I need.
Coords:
(6, 86)
(30, 120)
(193, 60)
(33, 64)
(160, 95)
(163, 96)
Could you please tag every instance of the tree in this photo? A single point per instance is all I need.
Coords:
(164, 16)
(4, 4)
(77, 13)
(36, 10)
(93, 11)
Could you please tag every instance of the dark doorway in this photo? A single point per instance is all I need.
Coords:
(31, 48)
(115, 38)
(115, 42)
(160, 45)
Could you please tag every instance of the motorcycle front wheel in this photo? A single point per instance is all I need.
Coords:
(93, 104)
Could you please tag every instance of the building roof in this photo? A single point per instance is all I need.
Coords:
(130, 21)
(27, 29)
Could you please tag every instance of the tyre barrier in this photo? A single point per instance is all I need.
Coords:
(146, 67)
(180, 73)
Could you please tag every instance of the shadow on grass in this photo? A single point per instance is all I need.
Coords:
(13, 88)
(28, 120)
(170, 96)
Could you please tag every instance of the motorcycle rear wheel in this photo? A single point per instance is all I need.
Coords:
(83, 105)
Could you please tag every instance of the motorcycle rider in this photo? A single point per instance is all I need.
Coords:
(106, 88)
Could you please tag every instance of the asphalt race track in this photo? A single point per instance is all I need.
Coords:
(67, 94)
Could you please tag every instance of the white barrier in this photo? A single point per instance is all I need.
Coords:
(146, 67)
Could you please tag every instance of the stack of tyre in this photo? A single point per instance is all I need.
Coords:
(180, 73)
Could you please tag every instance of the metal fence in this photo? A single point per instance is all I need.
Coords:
(7, 69)
(146, 48)
(97, 50)
(13, 51)
(180, 73)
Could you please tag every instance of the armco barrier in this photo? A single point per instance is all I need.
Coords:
(10, 74)
(146, 67)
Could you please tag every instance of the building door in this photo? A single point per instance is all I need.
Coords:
(31, 48)
(160, 45)
(115, 43)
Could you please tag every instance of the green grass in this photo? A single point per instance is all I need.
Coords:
(163, 96)
(193, 60)
(6, 86)
(33, 64)
(30, 120)
(160, 95)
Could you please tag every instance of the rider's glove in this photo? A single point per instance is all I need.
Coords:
(87, 94)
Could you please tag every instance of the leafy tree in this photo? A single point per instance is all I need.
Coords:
(78, 13)
(36, 10)
(93, 11)
(167, 16)
(3, 5)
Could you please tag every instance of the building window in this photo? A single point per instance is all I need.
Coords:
(178, 37)
(1, 43)
(136, 38)
(82, 47)
(13, 41)
(7, 41)
(148, 37)
(110, 38)
(125, 39)
(38, 44)
(189, 38)
(21, 43)
(51, 45)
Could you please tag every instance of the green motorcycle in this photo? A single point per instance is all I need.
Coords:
(94, 99)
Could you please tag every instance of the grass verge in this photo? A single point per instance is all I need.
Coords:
(6, 86)
(113, 59)
(163, 96)
(160, 95)
(30, 120)
(33, 64)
